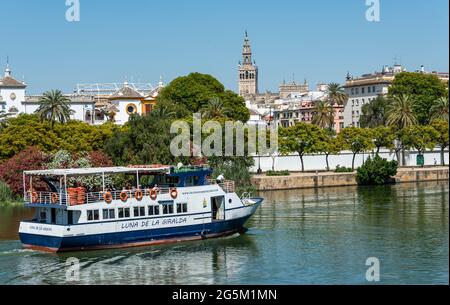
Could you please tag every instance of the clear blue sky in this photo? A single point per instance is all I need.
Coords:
(142, 39)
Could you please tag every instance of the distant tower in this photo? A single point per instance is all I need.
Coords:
(248, 71)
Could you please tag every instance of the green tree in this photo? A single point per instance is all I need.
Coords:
(336, 94)
(301, 138)
(383, 137)
(377, 171)
(440, 109)
(330, 145)
(400, 112)
(419, 137)
(357, 140)
(374, 113)
(54, 106)
(143, 140)
(3, 119)
(323, 115)
(194, 91)
(215, 109)
(424, 89)
(441, 137)
(27, 130)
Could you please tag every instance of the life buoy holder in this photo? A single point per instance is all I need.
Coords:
(124, 196)
(173, 193)
(55, 198)
(154, 194)
(139, 195)
(108, 197)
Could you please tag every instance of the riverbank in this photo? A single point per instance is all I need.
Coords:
(331, 179)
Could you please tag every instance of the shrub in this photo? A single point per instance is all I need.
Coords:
(377, 171)
(6, 195)
(343, 169)
(11, 170)
(278, 173)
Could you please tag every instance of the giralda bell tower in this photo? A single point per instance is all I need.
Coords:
(248, 71)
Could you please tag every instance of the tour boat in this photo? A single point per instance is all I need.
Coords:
(158, 204)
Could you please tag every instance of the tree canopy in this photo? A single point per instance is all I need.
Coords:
(424, 89)
(194, 92)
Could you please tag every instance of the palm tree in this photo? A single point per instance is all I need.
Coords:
(440, 109)
(214, 109)
(54, 106)
(323, 115)
(400, 113)
(374, 113)
(336, 94)
(162, 112)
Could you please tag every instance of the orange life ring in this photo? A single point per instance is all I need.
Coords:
(153, 194)
(108, 197)
(174, 193)
(139, 195)
(55, 198)
(34, 197)
(124, 196)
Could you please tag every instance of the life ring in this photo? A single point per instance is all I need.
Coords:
(139, 195)
(55, 198)
(153, 194)
(124, 196)
(34, 197)
(108, 197)
(174, 193)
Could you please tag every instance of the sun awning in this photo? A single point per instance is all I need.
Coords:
(97, 171)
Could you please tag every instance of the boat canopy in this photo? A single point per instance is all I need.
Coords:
(98, 171)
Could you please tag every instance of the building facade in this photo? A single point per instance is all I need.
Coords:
(12, 94)
(247, 72)
(364, 89)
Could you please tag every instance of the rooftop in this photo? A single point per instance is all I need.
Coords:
(98, 171)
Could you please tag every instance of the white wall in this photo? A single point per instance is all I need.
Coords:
(317, 162)
(5, 93)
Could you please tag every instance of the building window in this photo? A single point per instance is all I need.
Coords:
(353, 91)
(373, 89)
(357, 90)
(368, 89)
(363, 90)
(131, 109)
(181, 208)
(124, 212)
(139, 211)
(93, 215)
(109, 214)
(153, 210)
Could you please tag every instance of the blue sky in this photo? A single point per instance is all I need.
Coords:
(318, 40)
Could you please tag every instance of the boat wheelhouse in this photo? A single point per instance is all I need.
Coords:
(80, 209)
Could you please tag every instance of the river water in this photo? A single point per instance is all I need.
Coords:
(320, 236)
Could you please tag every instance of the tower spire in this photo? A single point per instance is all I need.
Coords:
(8, 69)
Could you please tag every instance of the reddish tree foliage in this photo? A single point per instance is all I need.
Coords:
(11, 171)
(100, 159)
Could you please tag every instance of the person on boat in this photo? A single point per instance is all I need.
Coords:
(220, 179)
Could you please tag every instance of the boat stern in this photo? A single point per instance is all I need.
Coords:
(41, 237)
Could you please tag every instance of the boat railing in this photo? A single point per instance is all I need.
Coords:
(82, 197)
(228, 186)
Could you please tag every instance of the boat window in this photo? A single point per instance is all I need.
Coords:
(192, 180)
(181, 208)
(153, 210)
(43, 217)
(93, 215)
(139, 211)
(168, 209)
(109, 214)
(124, 212)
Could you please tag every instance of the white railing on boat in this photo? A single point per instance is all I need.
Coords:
(86, 197)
